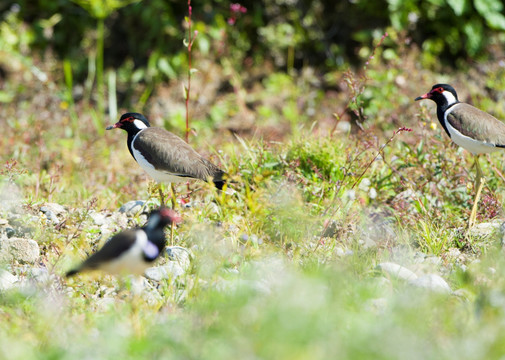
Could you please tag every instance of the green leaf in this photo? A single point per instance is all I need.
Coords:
(487, 7)
(458, 6)
(166, 68)
(496, 21)
(6, 97)
(474, 33)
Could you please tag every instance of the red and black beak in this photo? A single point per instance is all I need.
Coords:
(116, 125)
(425, 96)
(171, 215)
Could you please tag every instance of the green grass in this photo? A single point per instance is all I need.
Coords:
(264, 282)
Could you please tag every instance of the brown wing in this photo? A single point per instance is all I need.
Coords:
(168, 152)
(477, 124)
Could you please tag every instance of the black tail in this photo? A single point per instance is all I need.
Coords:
(72, 272)
(219, 179)
(219, 184)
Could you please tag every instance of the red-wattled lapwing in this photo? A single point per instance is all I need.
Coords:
(469, 127)
(165, 156)
(132, 251)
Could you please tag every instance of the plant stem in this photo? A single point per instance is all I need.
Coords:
(99, 65)
(188, 89)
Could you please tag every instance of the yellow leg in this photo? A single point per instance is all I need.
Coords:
(174, 202)
(479, 184)
(174, 199)
(162, 197)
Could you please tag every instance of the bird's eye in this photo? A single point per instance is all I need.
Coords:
(439, 90)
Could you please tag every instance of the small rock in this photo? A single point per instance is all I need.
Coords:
(98, 218)
(19, 249)
(397, 271)
(7, 280)
(10, 232)
(52, 211)
(464, 294)
(105, 303)
(140, 286)
(180, 255)
(119, 220)
(41, 275)
(431, 282)
(132, 208)
(50, 215)
(55, 208)
(484, 229)
(171, 270)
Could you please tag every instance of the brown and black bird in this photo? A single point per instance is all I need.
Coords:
(165, 156)
(469, 127)
(132, 251)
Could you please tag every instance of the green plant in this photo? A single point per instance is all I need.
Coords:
(189, 44)
(100, 10)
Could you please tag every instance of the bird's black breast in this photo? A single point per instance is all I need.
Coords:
(440, 115)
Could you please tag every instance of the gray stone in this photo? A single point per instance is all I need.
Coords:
(109, 222)
(11, 197)
(52, 211)
(140, 286)
(171, 270)
(431, 282)
(51, 217)
(19, 249)
(118, 220)
(10, 232)
(132, 208)
(98, 218)
(397, 271)
(179, 255)
(55, 208)
(41, 275)
(484, 229)
(7, 280)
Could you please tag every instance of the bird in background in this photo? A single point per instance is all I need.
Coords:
(132, 251)
(164, 156)
(470, 128)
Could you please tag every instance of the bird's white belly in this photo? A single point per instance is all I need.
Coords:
(466, 142)
(474, 146)
(158, 176)
(131, 261)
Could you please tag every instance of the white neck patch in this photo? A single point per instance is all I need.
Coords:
(449, 97)
(139, 124)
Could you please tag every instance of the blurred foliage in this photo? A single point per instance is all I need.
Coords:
(292, 33)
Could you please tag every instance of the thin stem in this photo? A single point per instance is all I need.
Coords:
(99, 65)
(188, 89)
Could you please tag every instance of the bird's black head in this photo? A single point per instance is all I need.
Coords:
(132, 123)
(442, 94)
(162, 217)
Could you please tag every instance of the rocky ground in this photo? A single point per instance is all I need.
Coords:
(27, 271)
